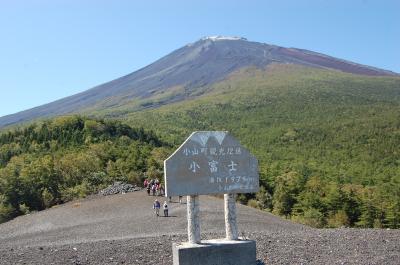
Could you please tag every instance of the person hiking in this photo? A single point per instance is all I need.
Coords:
(148, 189)
(156, 207)
(165, 207)
(158, 189)
(162, 190)
(153, 189)
(145, 183)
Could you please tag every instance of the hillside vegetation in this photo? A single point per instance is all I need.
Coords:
(327, 142)
(70, 157)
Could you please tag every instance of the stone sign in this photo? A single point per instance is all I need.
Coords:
(209, 163)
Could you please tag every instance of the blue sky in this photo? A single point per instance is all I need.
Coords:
(50, 49)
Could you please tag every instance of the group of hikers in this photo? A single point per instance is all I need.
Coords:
(157, 206)
(154, 187)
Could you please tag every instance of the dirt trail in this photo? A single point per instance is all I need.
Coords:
(122, 229)
(125, 216)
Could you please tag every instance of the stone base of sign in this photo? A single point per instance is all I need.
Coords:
(215, 252)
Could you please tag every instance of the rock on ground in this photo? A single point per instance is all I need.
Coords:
(119, 187)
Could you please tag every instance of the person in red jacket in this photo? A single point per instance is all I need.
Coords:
(145, 183)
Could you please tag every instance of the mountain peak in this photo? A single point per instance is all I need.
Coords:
(190, 68)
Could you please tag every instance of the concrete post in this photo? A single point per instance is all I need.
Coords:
(193, 211)
(230, 217)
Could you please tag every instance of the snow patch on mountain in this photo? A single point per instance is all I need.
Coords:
(219, 37)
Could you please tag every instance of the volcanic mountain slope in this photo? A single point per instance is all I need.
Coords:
(185, 73)
(122, 229)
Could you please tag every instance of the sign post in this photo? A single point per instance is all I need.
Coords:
(211, 162)
(193, 211)
(230, 217)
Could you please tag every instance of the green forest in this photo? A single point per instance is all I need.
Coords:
(66, 158)
(327, 144)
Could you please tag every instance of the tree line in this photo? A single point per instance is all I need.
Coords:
(45, 164)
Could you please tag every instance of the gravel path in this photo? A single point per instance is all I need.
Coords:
(122, 229)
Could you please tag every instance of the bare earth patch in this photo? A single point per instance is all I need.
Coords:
(122, 229)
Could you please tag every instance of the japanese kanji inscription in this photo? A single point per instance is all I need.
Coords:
(210, 162)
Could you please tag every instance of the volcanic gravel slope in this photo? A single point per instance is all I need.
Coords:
(193, 68)
(122, 229)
